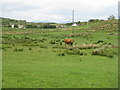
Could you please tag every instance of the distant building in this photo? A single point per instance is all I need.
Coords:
(21, 26)
(61, 26)
(74, 24)
(12, 26)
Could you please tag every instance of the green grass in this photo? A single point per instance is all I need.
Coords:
(34, 62)
(47, 70)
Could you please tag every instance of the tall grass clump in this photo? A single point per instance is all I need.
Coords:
(52, 42)
(18, 49)
(30, 48)
(43, 46)
(3, 48)
(61, 54)
(74, 52)
(108, 52)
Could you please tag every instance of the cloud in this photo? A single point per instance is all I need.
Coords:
(59, 10)
(17, 6)
(119, 10)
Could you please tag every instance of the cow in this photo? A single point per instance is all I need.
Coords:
(69, 41)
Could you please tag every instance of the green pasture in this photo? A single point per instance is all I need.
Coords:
(40, 59)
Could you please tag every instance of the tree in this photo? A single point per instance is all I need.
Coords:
(112, 17)
(16, 26)
(47, 25)
(93, 20)
(69, 24)
(28, 26)
(78, 23)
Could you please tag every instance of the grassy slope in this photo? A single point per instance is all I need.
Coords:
(41, 67)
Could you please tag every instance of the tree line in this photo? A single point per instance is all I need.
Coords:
(7, 22)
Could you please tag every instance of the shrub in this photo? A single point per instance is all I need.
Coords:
(13, 45)
(41, 40)
(35, 42)
(26, 37)
(100, 41)
(67, 51)
(61, 54)
(8, 47)
(74, 51)
(57, 40)
(52, 42)
(20, 49)
(3, 48)
(55, 46)
(60, 43)
(104, 52)
(82, 53)
(43, 46)
(30, 48)
(87, 46)
(93, 20)
(16, 49)
(112, 17)
(47, 25)
(59, 46)
(44, 39)
(110, 55)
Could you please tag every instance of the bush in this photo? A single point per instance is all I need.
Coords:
(3, 48)
(26, 37)
(46, 25)
(30, 48)
(61, 54)
(112, 17)
(61, 43)
(59, 46)
(52, 42)
(43, 46)
(16, 49)
(69, 24)
(104, 52)
(74, 52)
(110, 55)
(93, 20)
(8, 47)
(67, 51)
(13, 45)
(20, 49)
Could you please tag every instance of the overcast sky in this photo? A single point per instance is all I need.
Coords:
(58, 10)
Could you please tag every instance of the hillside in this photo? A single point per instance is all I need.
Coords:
(91, 24)
(38, 58)
(7, 22)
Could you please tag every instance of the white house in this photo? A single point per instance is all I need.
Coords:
(74, 24)
(12, 26)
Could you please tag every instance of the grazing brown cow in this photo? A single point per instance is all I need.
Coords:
(69, 41)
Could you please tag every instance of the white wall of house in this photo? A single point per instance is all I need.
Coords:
(12, 26)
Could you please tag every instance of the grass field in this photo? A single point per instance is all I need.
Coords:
(38, 58)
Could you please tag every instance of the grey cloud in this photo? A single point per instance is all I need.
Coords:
(119, 10)
(54, 11)
(16, 6)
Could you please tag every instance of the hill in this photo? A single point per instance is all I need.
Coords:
(38, 58)
(7, 22)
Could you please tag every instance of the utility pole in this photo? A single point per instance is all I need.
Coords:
(73, 16)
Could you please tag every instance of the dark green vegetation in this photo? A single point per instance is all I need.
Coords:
(6, 22)
(35, 58)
